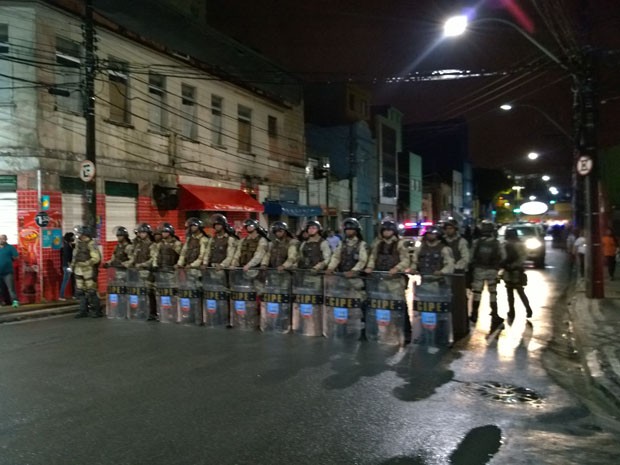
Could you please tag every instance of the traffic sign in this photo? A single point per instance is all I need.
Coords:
(42, 219)
(584, 165)
(87, 171)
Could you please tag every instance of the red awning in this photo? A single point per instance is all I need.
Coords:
(217, 199)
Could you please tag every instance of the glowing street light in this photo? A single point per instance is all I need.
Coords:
(532, 155)
(554, 190)
(455, 26)
(546, 178)
(532, 197)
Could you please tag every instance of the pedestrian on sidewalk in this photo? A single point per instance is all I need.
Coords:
(514, 273)
(579, 250)
(66, 256)
(610, 248)
(8, 254)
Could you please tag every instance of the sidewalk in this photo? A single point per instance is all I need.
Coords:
(29, 311)
(596, 326)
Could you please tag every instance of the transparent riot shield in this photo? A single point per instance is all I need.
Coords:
(166, 287)
(308, 303)
(215, 292)
(190, 295)
(138, 287)
(342, 318)
(386, 307)
(275, 312)
(244, 289)
(432, 298)
(116, 306)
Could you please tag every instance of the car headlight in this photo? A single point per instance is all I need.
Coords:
(532, 244)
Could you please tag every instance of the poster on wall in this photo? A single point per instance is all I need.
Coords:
(52, 238)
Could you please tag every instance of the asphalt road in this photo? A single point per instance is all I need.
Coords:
(123, 392)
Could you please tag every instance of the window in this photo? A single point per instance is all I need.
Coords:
(6, 71)
(119, 91)
(68, 76)
(272, 127)
(189, 126)
(244, 119)
(157, 94)
(216, 120)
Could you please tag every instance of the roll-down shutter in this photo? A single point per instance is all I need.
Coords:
(72, 211)
(8, 216)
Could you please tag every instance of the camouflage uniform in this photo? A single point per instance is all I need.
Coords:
(143, 257)
(86, 257)
(220, 250)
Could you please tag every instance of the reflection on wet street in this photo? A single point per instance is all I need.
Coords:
(125, 392)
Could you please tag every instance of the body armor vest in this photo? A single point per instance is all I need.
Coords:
(219, 249)
(82, 253)
(387, 256)
(120, 254)
(167, 257)
(486, 254)
(429, 258)
(310, 254)
(279, 252)
(454, 245)
(142, 250)
(192, 252)
(248, 248)
(349, 255)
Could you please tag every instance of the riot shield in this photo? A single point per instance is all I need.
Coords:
(342, 318)
(138, 288)
(432, 297)
(215, 309)
(386, 307)
(116, 306)
(244, 288)
(166, 287)
(275, 313)
(308, 303)
(190, 295)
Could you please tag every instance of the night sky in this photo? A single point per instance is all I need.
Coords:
(368, 41)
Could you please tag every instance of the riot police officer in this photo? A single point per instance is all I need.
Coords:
(168, 249)
(351, 254)
(196, 243)
(252, 248)
(86, 258)
(314, 252)
(433, 257)
(282, 250)
(122, 250)
(388, 252)
(221, 248)
(458, 245)
(143, 258)
(487, 257)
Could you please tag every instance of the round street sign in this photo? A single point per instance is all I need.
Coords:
(42, 219)
(584, 165)
(87, 171)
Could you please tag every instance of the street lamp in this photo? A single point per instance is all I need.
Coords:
(545, 178)
(558, 126)
(533, 155)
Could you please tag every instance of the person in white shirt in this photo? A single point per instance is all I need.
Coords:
(579, 249)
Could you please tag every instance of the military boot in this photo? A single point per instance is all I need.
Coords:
(497, 323)
(81, 295)
(474, 311)
(152, 308)
(95, 304)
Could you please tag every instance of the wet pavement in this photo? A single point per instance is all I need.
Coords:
(129, 392)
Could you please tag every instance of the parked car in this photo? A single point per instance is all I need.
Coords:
(533, 237)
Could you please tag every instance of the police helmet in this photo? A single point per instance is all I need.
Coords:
(143, 227)
(487, 228)
(313, 223)
(389, 225)
(279, 226)
(218, 218)
(250, 222)
(434, 230)
(121, 231)
(451, 222)
(351, 223)
(166, 227)
(193, 221)
(83, 230)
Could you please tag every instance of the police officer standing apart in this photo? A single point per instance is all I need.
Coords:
(314, 252)
(252, 248)
(460, 252)
(487, 257)
(222, 246)
(168, 249)
(514, 273)
(351, 254)
(86, 258)
(122, 250)
(143, 259)
(282, 251)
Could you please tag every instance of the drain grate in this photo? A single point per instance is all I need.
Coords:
(505, 393)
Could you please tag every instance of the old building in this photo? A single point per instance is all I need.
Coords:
(188, 122)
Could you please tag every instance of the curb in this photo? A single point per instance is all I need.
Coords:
(33, 314)
(595, 365)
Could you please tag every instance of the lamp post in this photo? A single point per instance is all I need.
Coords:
(581, 70)
(558, 126)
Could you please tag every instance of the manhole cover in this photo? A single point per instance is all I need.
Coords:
(506, 393)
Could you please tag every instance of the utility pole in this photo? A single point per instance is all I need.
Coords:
(90, 185)
(352, 169)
